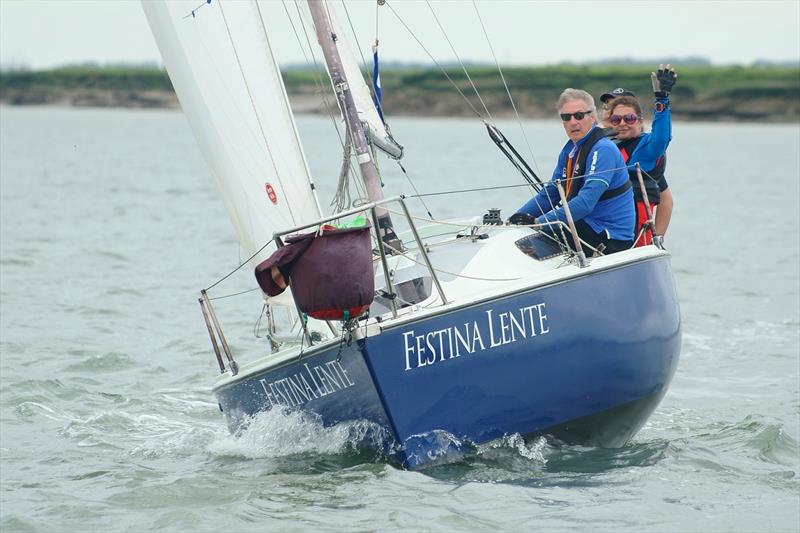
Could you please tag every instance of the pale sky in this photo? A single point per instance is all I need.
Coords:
(46, 33)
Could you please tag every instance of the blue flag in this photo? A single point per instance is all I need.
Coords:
(376, 81)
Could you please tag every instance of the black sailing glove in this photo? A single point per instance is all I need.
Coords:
(522, 219)
(663, 80)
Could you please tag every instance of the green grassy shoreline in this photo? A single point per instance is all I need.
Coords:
(732, 93)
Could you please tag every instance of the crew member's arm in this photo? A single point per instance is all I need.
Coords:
(664, 212)
(547, 197)
(655, 145)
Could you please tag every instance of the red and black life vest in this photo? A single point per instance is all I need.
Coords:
(650, 177)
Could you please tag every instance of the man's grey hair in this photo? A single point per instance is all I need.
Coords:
(570, 95)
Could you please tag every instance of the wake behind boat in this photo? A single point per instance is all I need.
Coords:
(477, 330)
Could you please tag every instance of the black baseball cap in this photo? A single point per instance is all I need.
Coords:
(614, 93)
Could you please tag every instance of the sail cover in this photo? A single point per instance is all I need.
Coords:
(228, 82)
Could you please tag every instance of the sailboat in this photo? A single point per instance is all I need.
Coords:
(451, 351)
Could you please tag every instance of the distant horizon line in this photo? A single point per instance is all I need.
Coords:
(620, 61)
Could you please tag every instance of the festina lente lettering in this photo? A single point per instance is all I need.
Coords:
(493, 330)
(310, 383)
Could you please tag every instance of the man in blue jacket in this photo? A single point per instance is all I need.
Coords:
(593, 174)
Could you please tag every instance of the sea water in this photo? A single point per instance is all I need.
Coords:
(110, 224)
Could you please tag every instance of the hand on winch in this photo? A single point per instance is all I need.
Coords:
(522, 219)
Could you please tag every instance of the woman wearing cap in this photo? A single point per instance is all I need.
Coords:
(624, 115)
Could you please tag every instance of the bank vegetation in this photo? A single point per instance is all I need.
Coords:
(707, 93)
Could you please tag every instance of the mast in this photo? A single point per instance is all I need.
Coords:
(369, 173)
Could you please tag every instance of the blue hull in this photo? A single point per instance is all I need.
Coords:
(586, 360)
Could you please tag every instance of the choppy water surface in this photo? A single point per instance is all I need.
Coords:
(110, 224)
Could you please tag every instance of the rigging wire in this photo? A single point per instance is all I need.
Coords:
(364, 64)
(498, 138)
(505, 84)
(517, 185)
(235, 294)
(378, 4)
(440, 67)
(229, 274)
(460, 191)
(192, 12)
(463, 67)
(341, 199)
(408, 177)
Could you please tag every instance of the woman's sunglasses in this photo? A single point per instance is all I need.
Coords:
(629, 119)
(579, 115)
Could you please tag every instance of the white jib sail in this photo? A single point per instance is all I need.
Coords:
(230, 88)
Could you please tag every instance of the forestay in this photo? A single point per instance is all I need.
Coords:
(227, 80)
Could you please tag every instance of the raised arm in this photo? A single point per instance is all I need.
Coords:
(655, 145)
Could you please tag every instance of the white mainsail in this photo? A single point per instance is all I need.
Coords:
(226, 77)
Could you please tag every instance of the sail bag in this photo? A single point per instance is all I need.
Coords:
(330, 272)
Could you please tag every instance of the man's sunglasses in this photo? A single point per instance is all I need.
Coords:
(629, 119)
(579, 115)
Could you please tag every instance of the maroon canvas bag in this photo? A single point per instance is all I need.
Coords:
(330, 274)
(333, 278)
